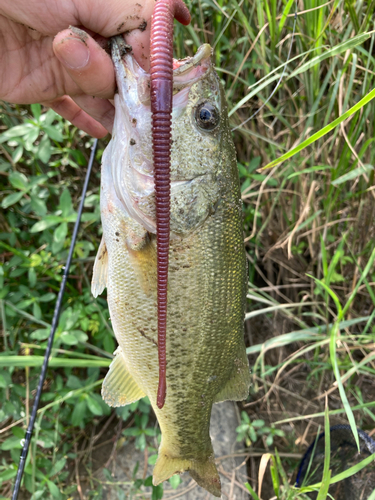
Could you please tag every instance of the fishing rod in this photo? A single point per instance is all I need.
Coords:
(55, 320)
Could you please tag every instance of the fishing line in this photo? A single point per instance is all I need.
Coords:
(55, 319)
(279, 81)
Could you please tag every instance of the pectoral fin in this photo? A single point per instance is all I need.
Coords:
(143, 261)
(99, 275)
(119, 388)
(237, 387)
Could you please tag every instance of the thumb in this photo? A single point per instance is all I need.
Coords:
(88, 65)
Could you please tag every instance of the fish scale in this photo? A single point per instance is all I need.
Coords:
(207, 279)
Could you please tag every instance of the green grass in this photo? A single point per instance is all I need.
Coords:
(309, 236)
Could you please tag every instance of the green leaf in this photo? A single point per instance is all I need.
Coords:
(78, 156)
(36, 110)
(55, 492)
(68, 319)
(31, 274)
(49, 117)
(152, 460)
(31, 137)
(79, 413)
(4, 292)
(11, 443)
(11, 199)
(148, 481)
(157, 492)
(133, 431)
(144, 420)
(140, 442)
(175, 481)
(109, 343)
(18, 432)
(38, 494)
(39, 206)
(66, 203)
(74, 382)
(57, 467)
(19, 180)
(44, 151)
(7, 474)
(60, 232)
(94, 406)
(151, 432)
(37, 312)
(17, 154)
(53, 133)
(47, 297)
(79, 335)
(17, 131)
(40, 334)
(68, 339)
(49, 221)
(269, 440)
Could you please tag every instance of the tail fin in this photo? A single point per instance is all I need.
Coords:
(203, 471)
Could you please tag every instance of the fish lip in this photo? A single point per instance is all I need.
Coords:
(186, 71)
(198, 65)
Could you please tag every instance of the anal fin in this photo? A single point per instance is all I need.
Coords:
(99, 275)
(119, 388)
(237, 387)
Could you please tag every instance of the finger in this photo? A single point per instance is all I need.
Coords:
(106, 17)
(68, 109)
(88, 65)
(101, 110)
(139, 39)
(112, 17)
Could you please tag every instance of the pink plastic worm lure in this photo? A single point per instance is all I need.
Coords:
(161, 107)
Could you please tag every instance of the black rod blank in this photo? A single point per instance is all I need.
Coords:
(55, 320)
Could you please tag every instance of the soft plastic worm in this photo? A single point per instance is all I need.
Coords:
(161, 108)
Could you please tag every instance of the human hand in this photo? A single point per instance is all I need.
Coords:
(67, 69)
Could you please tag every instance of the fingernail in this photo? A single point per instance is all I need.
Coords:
(73, 53)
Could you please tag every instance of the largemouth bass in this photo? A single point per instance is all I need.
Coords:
(206, 356)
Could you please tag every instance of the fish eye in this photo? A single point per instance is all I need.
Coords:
(207, 116)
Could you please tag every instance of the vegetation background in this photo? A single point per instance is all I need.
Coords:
(309, 235)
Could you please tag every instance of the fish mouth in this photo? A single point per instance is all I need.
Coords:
(186, 71)
(190, 70)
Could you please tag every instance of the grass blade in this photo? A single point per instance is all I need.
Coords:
(346, 473)
(323, 491)
(22, 361)
(323, 131)
(334, 51)
(251, 491)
